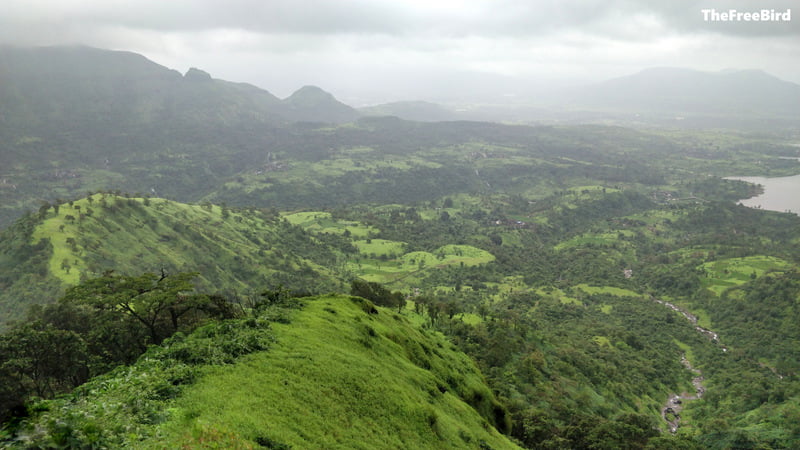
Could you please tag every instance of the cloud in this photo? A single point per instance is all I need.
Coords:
(362, 44)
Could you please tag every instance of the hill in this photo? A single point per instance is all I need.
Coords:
(312, 104)
(745, 92)
(232, 250)
(335, 373)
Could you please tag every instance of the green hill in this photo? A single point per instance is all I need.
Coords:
(338, 373)
(232, 250)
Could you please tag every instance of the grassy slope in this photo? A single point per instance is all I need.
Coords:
(339, 377)
(335, 373)
(237, 251)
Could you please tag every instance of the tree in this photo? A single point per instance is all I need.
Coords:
(148, 298)
(376, 293)
(39, 359)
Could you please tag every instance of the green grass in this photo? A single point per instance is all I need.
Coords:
(323, 222)
(610, 290)
(558, 294)
(403, 271)
(724, 274)
(469, 318)
(135, 235)
(602, 341)
(65, 264)
(687, 350)
(338, 377)
(380, 247)
(600, 239)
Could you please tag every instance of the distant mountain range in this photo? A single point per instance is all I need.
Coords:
(72, 86)
(744, 92)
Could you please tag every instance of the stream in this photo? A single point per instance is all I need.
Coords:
(674, 405)
(671, 411)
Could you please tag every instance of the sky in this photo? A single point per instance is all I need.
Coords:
(372, 51)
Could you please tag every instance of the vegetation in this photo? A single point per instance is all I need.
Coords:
(592, 274)
(257, 381)
(232, 250)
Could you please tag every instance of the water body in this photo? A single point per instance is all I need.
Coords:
(780, 193)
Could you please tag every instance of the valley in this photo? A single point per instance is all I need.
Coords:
(289, 274)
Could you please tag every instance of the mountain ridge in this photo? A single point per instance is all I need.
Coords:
(671, 89)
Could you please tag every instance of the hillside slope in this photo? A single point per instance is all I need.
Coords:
(234, 251)
(339, 373)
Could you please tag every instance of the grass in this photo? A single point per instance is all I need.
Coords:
(339, 377)
(469, 318)
(135, 235)
(380, 247)
(600, 239)
(65, 263)
(602, 341)
(610, 290)
(726, 273)
(323, 222)
(687, 350)
(403, 271)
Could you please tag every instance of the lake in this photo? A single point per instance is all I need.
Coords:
(780, 193)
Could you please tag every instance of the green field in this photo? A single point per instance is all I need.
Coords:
(380, 247)
(402, 271)
(726, 273)
(322, 222)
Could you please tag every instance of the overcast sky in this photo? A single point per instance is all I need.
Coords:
(367, 51)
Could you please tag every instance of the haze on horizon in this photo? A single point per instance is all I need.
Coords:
(372, 51)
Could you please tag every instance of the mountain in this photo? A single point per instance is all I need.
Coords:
(674, 90)
(74, 119)
(312, 104)
(235, 251)
(65, 88)
(411, 110)
(82, 90)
